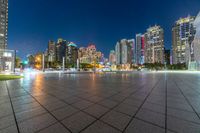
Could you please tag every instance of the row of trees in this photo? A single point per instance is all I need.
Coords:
(182, 66)
(58, 64)
(31, 63)
(85, 66)
(159, 66)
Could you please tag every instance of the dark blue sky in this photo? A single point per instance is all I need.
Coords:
(103, 22)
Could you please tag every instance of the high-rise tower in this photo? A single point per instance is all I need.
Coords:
(183, 33)
(154, 45)
(3, 23)
(123, 51)
(195, 64)
(140, 45)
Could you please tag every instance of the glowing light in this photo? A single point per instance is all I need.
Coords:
(25, 62)
(184, 20)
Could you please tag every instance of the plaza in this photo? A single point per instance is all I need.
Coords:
(122, 102)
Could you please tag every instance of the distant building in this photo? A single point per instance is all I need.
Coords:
(167, 56)
(140, 49)
(61, 49)
(195, 64)
(89, 54)
(123, 51)
(82, 55)
(112, 57)
(134, 52)
(3, 23)
(57, 50)
(71, 54)
(51, 52)
(183, 33)
(154, 45)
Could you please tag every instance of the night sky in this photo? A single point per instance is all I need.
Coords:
(103, 22)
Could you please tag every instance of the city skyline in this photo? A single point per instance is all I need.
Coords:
(42, 23)
(99, 66)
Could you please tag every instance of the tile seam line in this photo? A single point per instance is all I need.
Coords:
(141, 104)
(82, 110)
(188, 84)
(47, 110)
(166, 105)
(48, 127)
(61, 100)
(110, 111)
(12, 107)
(154, 124)
(187, 99)
(161, 114)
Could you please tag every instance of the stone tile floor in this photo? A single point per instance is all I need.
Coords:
(101, 103)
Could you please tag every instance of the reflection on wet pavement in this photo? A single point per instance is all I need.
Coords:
(105, 102)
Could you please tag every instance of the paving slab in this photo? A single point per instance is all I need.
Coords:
(134, 102)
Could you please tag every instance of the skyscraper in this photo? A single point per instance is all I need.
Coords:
(61, 49)
(71, 54)
(154, 45)
(196, 44)
(51, 51)
(183, 33)
(123, 50)
(132, 44)
(3, 23)
(7, 57)
(139, 50)
(112, 57)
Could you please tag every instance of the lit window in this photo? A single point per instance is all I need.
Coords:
(1, 34)
(6, 54)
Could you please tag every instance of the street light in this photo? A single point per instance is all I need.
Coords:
(15, 51)
(43, 67)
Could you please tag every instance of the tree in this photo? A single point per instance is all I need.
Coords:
(154, 66)
(86, 66)
(70, 65)
(31, 61)
(56, 64)
(17, 62)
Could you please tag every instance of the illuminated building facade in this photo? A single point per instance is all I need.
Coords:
(71, 54)
(89, 54)
(82, 55)
(7, 57)
(195, 64)
(3, 23)
(112, 57)
(51, 51)
(57, 50)
(61, 49)
(154, 45)
(123, 51)
(183, 33)
(140, 49)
